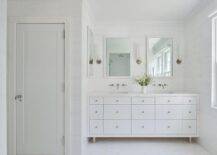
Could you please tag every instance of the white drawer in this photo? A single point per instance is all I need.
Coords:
(143, 111)
(189, 100)
(117, 111)
(117, 100)
(168, 126)
(117, 127)
(189, 112)
(168, 111)
(189, 127)
(176, 100)
(168, 100)
(143, 100)
(96, 100)
(96, 111)
(96, 127)
(140, 127)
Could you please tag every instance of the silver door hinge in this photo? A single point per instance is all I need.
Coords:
(64, 34)
(63, 87)
(63, 140)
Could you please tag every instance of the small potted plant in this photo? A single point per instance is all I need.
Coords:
(144, 81)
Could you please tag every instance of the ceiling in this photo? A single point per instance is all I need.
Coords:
(144, 10)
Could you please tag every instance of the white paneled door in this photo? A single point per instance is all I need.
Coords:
(40, 89)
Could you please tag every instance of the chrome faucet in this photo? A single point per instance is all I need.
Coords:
(118, 85)
(162, 85)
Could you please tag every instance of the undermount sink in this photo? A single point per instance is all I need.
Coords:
(119, 92)
(149, 93)
(169, 92)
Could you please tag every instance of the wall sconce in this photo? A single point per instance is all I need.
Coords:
(178, 60)
(98, 61)
(97, 55)
(91, 61)
(137, 53)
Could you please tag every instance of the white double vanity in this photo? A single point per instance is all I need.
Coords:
(143, 115)
(139, 114)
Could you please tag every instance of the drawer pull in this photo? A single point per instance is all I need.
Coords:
(168, 126)
(143, 126)
(189, 127)
(117, 112)
(168, 112)
(116, 126)
(143, 112)
(143, 101)
(96, 100)
(189, 100)
(189, 112)
(168, 100)
(96, 127)
(96, 112)
(117, 100)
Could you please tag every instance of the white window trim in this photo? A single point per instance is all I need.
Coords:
(214, 64)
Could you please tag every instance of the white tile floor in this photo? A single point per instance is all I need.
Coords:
(145, 147)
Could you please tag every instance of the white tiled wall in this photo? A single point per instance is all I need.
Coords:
(138, 33)
(198, 72)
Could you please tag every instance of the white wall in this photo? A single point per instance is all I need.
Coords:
(3, 107)
(138, 32)
(72, 10)
(198, 72)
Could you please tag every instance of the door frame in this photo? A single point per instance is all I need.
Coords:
(12, 28)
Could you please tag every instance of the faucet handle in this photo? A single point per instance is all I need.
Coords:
(111, 85)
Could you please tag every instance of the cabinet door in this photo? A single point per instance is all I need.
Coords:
(117, 111)
(169, 126)
(143, 111)
(189, 127)
(96, 127)
(117, 127)
(96, 111)
(189, 112)
(140, 127)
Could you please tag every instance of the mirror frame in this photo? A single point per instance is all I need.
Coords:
(172, 56)
(105, 54)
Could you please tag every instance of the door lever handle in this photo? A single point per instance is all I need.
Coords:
(19, 97)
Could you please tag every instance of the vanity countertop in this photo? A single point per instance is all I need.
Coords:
(139, 94)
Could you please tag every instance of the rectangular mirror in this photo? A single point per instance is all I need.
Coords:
(118, 57)
(159, 57)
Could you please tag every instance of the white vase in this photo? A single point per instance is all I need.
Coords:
(144, 89)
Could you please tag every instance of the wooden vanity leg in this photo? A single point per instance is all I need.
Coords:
(190, 139)
(94, 139)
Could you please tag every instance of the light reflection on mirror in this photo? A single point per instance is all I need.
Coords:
(118, 57)
(159, 57)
